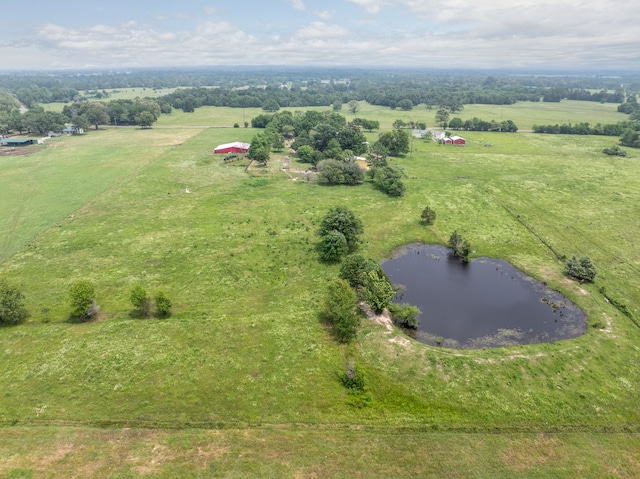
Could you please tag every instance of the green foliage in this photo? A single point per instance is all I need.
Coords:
(12, 301)
(333, 246)
(388, 180)
(336, 172)
(260, 148)
(428, 215)
(631, 138)
(582, 269)
(405, 315)
(344, 221)
(377, 290)
(339, 309)
(614, 151)
(396, 142)
(460, 246)
(305, 153)
(354, 267)
(163, 304)
(145, 119)
(140, 300)
(82, 301)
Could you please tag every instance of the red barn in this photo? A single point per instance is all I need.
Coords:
(235, 147)
(454, 140)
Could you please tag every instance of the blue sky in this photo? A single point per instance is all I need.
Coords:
(585, 34)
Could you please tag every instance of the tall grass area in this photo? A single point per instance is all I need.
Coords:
(245, 372)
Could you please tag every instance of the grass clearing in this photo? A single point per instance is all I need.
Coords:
(243, 377)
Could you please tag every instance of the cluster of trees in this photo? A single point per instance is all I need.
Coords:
(631, 107)
(81, 299)
(36, 120)
(584, 128)
(476, 124)
(558, 93)
(141, 112)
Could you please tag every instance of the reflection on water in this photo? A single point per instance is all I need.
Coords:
(485, 303)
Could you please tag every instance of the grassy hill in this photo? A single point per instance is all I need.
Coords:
(243, 379)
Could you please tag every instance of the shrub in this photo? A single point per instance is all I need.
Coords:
(140, 300)
(428, 215)
(12, 310)
(82, 301)
(405, 315)
(333, 246)
(343, 220)
(387, 179)
(339, 309)
(354, 267)
(163, 305)
(614, 151)
(582, 269)
(461, 247)
(377, 290)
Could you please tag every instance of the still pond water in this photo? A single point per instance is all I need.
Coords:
(486, 303)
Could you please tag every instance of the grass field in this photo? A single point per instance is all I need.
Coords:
(242, 381)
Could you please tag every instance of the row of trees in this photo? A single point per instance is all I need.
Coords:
(476, 124)
(585, 128)
(82, 301)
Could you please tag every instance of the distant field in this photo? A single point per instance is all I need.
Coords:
(117, 94)
(243, 379)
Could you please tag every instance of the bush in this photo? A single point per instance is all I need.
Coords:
(377, 290)
(82, 301)
(354, 267)
(344, 221)
(339, 309)
(12, 310)
(428, 215)
(333, 246)
(614, 151)
(141, 301)
(582, 269)
(387, 179)
(405, 315)
(163, 305)
(461, 247)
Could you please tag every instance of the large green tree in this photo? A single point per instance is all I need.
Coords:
(339, 309)
(96, 114)
(343, 220)
(12, 310)
(395, 142)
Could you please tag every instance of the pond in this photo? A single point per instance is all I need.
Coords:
(485, 303)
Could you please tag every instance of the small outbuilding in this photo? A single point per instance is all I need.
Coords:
(235, 147)
(73, 130)
(18, 141)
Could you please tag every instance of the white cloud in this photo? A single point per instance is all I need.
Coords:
(298, 5)
(325, 15)
(372, 6)
(320, 30)
(210, 11)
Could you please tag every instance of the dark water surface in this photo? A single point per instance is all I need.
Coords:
(486, 303)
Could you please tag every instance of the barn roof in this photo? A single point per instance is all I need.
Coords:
(235, 144)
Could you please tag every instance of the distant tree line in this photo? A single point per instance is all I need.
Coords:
(476, 124)
(584, 128)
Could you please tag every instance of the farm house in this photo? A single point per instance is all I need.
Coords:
(235, 147)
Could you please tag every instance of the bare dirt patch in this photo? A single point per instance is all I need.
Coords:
(18, 151)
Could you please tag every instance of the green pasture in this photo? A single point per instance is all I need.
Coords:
(244, 377)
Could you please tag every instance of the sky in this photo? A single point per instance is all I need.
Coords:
(470, 34)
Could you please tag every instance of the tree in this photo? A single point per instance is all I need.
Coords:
(428, 215)
(163, 304)
(333, 246)
(387, 179)
(582, 269)
(12, 310)
(260, 148)
(96, 114)
(145, 119)
(351, 138)
(396, 142)
(354, 107)
(305, 153)
(140, 300)
(456, 123)
(442, 117)
(82, 301)
(337, 105)
(322, 135)
(343, 220)
(405, 315)
(461, 247)
(377, 290)
(630, 138)
(339, 309)
(405, 104)
(270, 105)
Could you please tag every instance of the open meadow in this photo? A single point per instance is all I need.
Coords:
(243, 380)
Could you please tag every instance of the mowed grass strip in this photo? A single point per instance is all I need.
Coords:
(57, 452)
